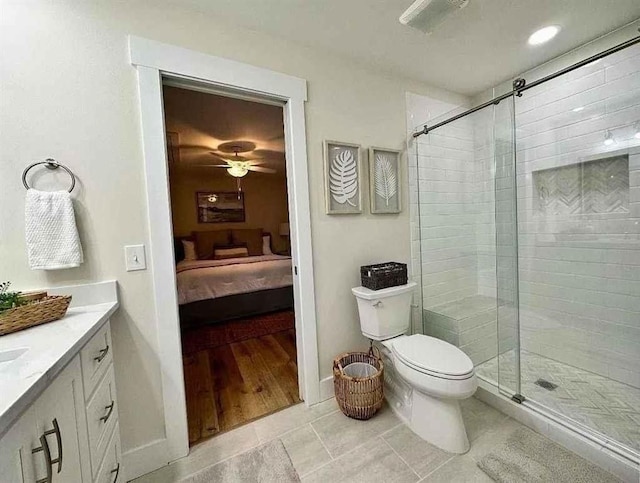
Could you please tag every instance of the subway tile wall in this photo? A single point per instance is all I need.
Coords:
(420, 109)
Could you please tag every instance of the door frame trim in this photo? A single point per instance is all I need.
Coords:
(153, 61)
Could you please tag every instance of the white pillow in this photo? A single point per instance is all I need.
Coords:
(189, 250)
(266, 245)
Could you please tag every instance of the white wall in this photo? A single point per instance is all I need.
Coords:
(68, 91)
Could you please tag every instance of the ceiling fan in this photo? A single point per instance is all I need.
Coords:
(238, 167)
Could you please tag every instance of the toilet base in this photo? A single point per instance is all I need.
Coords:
(439, 422)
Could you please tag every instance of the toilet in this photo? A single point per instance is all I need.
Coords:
(425, 378)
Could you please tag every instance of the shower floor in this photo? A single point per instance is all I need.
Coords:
(608, 406)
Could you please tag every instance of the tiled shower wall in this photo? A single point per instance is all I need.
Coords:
(579, 269)
(579, 217)
(420, 109)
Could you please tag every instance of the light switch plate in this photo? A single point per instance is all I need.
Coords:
(135, 258)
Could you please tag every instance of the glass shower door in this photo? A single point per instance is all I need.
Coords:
(468, 244)
(507, 292)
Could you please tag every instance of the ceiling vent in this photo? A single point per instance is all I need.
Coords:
(426, 15)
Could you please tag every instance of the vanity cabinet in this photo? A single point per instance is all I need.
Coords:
(16, 461)
(70, 432)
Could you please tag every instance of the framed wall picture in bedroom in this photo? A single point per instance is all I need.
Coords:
(342, 177)
(220, 207)
(384, 180)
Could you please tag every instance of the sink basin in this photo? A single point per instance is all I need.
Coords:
(6, 356)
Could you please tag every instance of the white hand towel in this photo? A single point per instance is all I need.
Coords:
(50, 225)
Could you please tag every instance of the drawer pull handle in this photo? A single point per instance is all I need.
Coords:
(44, 447)
(102, 355)
(109, 409)
(117, 472)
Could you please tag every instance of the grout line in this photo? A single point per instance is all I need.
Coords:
(391, 429)
(348, 452)
(279, 435)
(437, 468)
(401, 458)
(321, 442)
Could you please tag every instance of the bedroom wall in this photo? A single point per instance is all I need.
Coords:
(68, 91)
(265, 202)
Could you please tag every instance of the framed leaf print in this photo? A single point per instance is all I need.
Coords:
(343, 180)
(384, 180)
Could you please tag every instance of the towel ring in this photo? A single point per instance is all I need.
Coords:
(49, 163)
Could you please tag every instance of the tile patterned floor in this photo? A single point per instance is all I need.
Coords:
(608, 406)
(324, 445)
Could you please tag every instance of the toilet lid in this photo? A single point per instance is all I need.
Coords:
(433, 355)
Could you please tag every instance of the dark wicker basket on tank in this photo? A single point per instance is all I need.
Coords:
(358, 398)
(383, 275)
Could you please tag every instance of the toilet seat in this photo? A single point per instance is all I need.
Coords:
(433, 357)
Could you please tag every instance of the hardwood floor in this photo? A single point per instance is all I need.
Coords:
(232, 384)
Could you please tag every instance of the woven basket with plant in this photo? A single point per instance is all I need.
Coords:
(23, 310)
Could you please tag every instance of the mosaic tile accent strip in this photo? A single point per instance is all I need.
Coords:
(600, 186)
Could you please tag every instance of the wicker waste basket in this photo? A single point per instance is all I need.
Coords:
(358, 379)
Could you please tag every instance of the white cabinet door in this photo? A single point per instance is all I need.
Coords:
(61, 425)
(16, 461)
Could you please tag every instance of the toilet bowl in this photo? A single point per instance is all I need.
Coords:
(438, 373)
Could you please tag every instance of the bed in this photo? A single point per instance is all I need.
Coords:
(216, 290)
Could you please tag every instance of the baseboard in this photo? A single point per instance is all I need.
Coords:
(326, 388)
(144, 459)
(563, 433)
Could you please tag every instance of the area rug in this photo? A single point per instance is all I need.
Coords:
(269, 463)
(216, 335)
(531, 458)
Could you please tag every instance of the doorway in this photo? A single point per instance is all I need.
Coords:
(234, 276)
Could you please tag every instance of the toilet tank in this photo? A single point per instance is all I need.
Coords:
(384, 313)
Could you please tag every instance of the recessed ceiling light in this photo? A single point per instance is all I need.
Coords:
(543, 35)
(578, 109)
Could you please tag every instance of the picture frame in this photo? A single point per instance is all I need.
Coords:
(385, 195)
(220, 207)
(342, 178)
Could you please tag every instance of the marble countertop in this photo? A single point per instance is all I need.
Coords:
(49, 347)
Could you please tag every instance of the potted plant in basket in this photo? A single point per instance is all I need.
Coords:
(8, 300)
(23, 310)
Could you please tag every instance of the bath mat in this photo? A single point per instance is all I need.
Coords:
(269, 463)
(530, 458)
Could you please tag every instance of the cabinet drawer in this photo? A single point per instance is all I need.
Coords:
(102, 416)
(111, 469)
(95, 357)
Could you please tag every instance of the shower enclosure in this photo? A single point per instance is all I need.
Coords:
(529, 234)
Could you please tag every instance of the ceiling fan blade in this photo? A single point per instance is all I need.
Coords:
(214, 165)
(261, 169)
(198, 147)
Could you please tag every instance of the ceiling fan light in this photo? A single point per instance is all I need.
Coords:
(237, 171)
